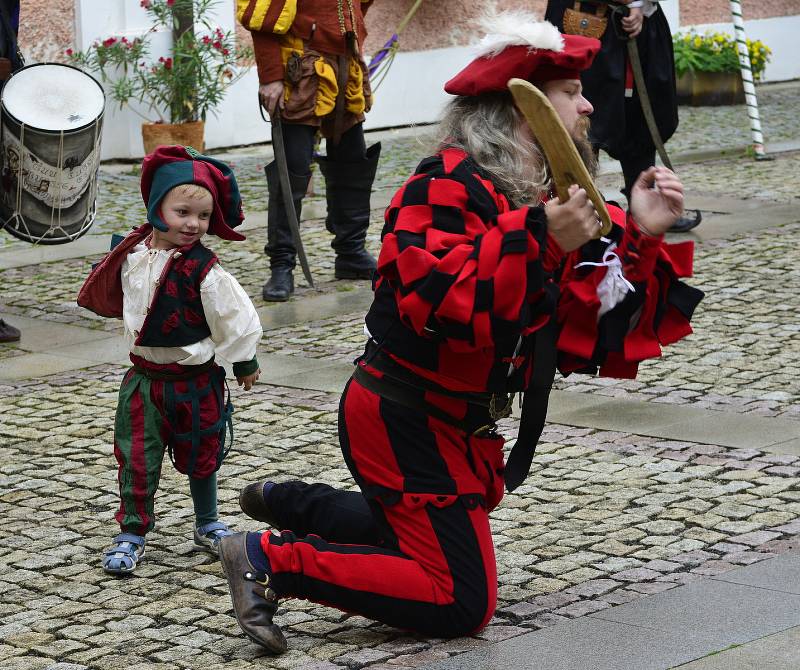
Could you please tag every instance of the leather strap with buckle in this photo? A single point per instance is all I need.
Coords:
(342, 75)
(404, 394)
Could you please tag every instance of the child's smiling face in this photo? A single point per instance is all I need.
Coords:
(186, 209)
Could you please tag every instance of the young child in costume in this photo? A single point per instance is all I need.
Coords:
(179, 309)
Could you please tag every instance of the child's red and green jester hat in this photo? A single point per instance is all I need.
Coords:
(171, 166)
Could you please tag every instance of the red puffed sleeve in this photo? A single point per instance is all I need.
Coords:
(456, 275)
(652, 309)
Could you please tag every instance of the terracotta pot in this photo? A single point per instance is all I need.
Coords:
(710, 88)
(188, 134)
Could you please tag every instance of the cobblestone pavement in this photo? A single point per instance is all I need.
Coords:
(605, 518)
(700, 128)
(743, 356)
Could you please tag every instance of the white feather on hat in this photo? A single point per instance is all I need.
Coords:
(517, 28)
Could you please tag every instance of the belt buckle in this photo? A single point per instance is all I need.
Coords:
(483, 431)
(503, 412)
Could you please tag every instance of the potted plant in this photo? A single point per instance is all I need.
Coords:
(177, 91)
(708, 70)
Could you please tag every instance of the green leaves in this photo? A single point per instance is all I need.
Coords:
(185, 86)
(715, 52)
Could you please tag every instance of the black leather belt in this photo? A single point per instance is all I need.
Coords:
(188, 372)
(480, 421)
(534, 405)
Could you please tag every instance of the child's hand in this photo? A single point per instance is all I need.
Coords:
(248, 381)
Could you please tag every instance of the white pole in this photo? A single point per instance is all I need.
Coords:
(747, 79)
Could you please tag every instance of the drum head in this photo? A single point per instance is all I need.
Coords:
(53, 97)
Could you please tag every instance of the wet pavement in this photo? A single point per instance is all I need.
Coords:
(639, 488)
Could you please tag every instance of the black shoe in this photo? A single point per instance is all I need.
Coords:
(254, 602)
(8, 333)
(251, 500)
(280, 285)
(686, 223)
(360, 265)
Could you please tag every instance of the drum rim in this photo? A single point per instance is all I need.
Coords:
(94, 121)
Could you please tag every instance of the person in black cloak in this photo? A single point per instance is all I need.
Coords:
(618, 124)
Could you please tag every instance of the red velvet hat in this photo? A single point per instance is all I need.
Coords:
(171, 166)
(518, 45)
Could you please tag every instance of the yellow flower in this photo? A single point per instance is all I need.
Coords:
(698, 42)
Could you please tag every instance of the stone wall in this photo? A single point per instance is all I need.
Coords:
(46, 29)
(436, 24)
(443, 23)
(718, 11)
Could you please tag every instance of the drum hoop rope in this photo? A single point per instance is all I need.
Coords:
(91, 207)
(60, 186)
(20, 168)
(91, 201)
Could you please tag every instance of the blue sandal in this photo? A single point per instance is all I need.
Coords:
(208, 536)
(124, 555)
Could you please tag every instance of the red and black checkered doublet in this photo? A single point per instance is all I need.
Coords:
(461, 278)
(464, 280)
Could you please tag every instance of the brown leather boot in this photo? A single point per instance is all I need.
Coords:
(254, 602)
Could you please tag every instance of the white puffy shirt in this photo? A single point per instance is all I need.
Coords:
(230, 314)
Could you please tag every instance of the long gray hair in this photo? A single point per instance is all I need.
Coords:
(487, 127)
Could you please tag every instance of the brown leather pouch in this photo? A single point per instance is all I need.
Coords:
(578, 22)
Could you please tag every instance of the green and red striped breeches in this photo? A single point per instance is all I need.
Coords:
(188, 417)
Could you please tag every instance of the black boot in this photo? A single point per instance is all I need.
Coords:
(280, 245)
(254, 602)
(280, 286)
(253, 503)
(348, 187)
(8, 333)
(686, 223)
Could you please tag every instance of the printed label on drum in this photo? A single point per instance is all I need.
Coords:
(58, 187)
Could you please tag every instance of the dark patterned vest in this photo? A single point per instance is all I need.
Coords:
(175, 317)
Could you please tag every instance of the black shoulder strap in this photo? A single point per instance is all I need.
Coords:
(534, 406)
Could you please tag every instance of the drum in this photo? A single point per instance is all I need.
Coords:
(51, 117)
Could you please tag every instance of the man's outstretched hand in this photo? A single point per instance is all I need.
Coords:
(656, 200)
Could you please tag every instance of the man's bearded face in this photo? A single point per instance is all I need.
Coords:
(566, 96)
(580, 136)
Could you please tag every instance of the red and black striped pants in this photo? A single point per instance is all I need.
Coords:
(413, 549)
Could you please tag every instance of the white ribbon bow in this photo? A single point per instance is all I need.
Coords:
(613, 288)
